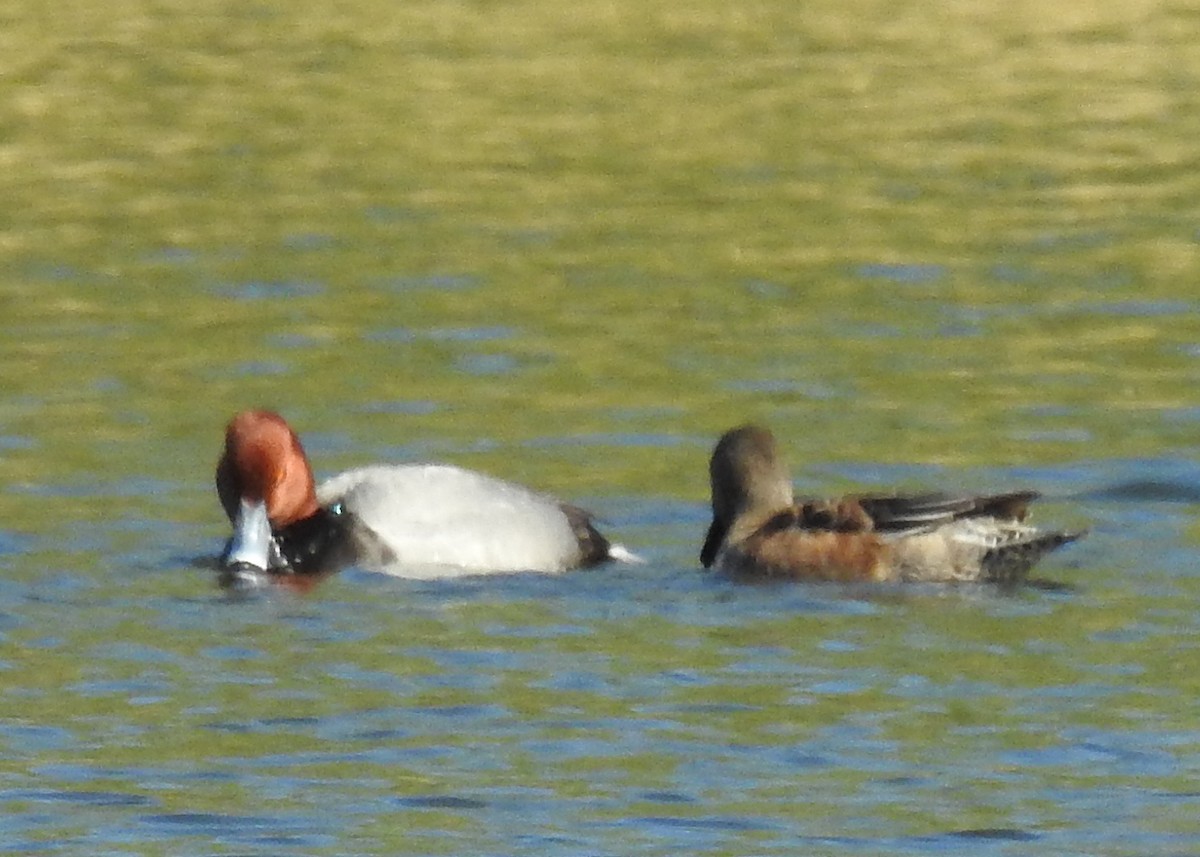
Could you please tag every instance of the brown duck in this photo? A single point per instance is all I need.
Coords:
(760, 531)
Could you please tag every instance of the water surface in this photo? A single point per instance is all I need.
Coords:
(931, 246)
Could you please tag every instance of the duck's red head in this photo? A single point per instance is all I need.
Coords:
(263, 462)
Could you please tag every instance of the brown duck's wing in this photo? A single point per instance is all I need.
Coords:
(917, 511)
(841, 515)
(877, 513)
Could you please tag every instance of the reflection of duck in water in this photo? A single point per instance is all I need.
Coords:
(760, 531)
(419, 520)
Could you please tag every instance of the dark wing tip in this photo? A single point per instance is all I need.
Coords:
(911, 511)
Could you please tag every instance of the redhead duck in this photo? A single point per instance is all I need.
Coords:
(760, 531)
(418, 520)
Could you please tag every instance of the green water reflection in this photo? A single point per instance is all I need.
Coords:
(960, 229)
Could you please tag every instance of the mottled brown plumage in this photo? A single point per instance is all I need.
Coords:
(759, 530)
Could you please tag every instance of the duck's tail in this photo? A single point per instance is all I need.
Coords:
(1009, 561)
(594, 546)
(620, 553)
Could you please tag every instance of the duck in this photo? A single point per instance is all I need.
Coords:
(760, 531)
(410, 520)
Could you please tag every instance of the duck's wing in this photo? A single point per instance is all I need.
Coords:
(885, 513)
(920, 511)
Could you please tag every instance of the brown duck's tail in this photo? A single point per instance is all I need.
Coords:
(1009, 563)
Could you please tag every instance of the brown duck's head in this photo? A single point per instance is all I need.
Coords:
(747, 474)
